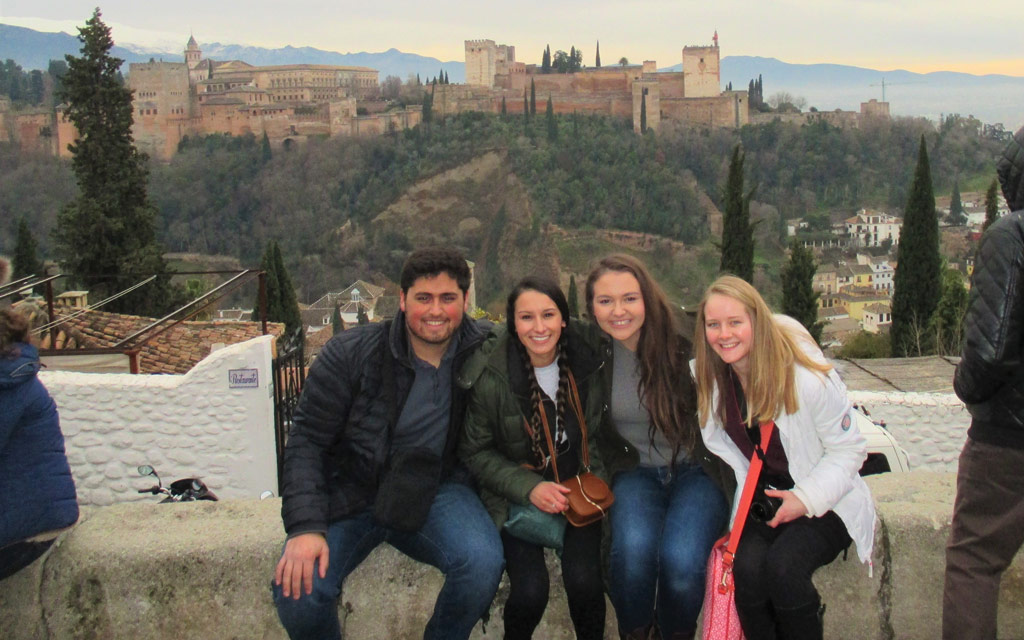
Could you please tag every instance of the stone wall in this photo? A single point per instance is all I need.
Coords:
(202, 570)
(931, 427)
(183, 425)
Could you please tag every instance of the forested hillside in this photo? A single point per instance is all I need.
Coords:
(223, 195)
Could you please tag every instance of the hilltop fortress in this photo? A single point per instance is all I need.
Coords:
(691, 96)
(287, 102)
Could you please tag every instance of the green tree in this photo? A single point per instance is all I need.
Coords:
(918, 269)
(361, 317)
(545, 60)
(947, 325)
(574, 303)
(265, 151)
(799, 299)
(337, 324)
(737, 232)
(428, 105)
(282, 305)
(533, 98)
(991, 204)
(643, 112)
(504, 108)
(865, 345)
(597, 55)
(195, 288)
(623, 61)
(25, 263)
(106, 237)
(552, 123)
(956, 207)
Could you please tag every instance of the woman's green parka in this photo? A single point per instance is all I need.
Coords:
(494, 444)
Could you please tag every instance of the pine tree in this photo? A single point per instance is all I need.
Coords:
(552, 124)
(918, 271)
(737, 232)
(106, 237)
(956, 207)
(337, 324)
(799, 299)
(643, 112)
(533, 98)
(574, 303)
(597, 56)
(991, 204)
(25, 263)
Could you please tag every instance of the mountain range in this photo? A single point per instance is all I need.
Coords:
(990, 98)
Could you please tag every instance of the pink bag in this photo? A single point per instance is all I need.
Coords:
(721, 621)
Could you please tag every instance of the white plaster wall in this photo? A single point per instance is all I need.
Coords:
(182, 425)
(931, 427)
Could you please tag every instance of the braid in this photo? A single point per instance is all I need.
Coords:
(537, 402)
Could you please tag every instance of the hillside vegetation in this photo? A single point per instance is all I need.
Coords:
(345, 208)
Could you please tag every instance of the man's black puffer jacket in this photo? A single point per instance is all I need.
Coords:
(990, 376)
(337, 447)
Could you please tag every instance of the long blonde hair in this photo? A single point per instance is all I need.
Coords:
(771, 387)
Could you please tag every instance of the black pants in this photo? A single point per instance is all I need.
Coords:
(528, 583)
(775, 597)
(18, 555)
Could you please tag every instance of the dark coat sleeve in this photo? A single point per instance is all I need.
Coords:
(995, 315)
(319, 422)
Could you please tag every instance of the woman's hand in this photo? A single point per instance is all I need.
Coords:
(550, 497)
(790, 509)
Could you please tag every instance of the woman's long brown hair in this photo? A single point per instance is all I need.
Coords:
(663, 352)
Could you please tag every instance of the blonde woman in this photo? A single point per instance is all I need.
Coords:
(752, 366)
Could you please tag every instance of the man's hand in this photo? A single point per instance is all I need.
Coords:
(295, 569)
(790, 509)
(550, 497)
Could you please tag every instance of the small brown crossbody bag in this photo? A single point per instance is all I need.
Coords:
(589, 496)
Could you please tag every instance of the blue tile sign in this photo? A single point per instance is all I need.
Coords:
(243, 378)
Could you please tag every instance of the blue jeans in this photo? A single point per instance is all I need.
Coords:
(459, 538)
(663, 524)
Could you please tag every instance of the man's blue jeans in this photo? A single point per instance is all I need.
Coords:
(459, 538)
(663, 524)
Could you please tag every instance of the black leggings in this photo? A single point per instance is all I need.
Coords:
(773, 569)
(18, 555)
(528, 583)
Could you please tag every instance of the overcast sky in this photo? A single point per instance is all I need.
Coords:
(956, 35)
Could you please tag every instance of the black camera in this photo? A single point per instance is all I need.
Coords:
(762, 507)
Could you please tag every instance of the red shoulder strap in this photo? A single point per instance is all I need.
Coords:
(756, 462)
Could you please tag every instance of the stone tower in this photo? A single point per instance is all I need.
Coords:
(192, 53)
(701, 72)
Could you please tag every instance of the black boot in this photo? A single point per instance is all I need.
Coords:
(802, 623)
(757, 620)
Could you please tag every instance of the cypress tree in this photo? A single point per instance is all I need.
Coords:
(597, 56)
(273, 289)
(533, 98)
(289, 303)
(799, 299)
(956, 207)
(643, 112)
(552, 124)
(545, 60)
(574, 304)
(504, 108)
(337, 324)
(526, 110)
(106, 237)
(361, 317)
(265, 148)
(446, 81)
(428, 106)
(25, 263)
(737, 232)
(918, 271)
(991, 204)
(572, 59)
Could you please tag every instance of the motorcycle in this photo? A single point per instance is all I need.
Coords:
(184, 490)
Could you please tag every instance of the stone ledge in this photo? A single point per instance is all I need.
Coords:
(202, 570)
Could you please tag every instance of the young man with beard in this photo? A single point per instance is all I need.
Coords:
(371, 458)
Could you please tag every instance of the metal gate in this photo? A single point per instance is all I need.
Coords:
(289, 370)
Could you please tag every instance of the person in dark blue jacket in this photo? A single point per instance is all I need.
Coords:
(37, 493)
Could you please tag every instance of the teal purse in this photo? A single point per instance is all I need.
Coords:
(533, 525)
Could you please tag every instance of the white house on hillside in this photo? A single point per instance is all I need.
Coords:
(871, 228)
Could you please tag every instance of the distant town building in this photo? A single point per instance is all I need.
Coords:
(873, 228)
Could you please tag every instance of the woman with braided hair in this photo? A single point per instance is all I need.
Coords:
(520, 379)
